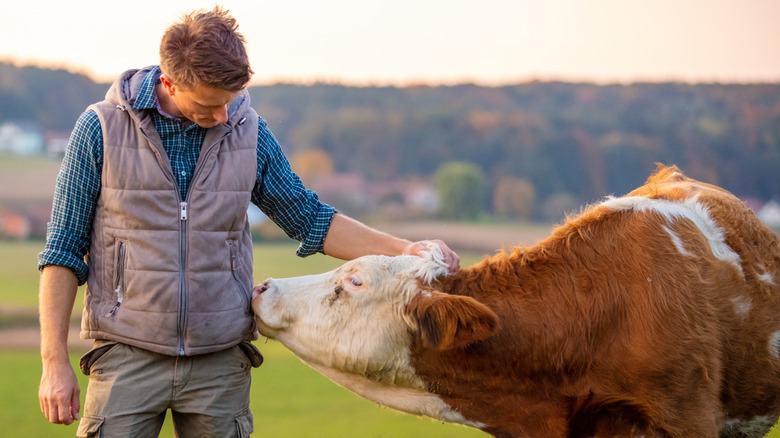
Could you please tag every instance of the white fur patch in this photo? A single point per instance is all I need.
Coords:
(689, 209)
(430, 264)
(742, 306)
(766, 277)
(678, 243)
(774, 345)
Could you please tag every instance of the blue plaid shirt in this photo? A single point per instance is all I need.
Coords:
(278, 191)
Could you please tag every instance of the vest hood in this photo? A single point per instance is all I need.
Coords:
(125, 91)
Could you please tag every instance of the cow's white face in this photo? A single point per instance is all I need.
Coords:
(351, 319)
(355, 325)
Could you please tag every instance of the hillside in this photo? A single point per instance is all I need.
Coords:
(572, 142)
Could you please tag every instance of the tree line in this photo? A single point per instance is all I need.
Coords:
(555, 142)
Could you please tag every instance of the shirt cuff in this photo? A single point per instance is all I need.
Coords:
(315, 238)
(50, 257)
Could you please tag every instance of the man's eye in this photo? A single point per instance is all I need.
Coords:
(355, 281)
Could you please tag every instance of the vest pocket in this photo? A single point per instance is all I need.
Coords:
(119, 277)
(235, 265)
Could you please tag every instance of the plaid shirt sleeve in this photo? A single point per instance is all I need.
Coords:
(280, 194)
(75, 196)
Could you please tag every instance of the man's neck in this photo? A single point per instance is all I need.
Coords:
(165, 101)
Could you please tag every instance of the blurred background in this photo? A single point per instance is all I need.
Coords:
(479, 122)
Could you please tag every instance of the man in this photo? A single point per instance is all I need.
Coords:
(153, 190)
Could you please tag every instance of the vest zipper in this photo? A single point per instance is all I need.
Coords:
(183, 217)
(183, 223)
(119, 278)
(182, 275)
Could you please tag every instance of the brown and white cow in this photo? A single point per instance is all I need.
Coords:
(655, 314)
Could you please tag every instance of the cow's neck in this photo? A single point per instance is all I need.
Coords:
(503, 274)
(410, 400)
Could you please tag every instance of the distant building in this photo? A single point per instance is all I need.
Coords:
(24, 221)
(55, 143)
(355, 195)
(770, 213)
(21, 137)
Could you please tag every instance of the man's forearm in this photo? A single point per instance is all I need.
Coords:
(57, 294)
(348, 239)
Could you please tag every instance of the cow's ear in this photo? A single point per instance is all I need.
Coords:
(451, 321)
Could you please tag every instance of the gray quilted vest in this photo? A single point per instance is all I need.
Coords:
(166, 274)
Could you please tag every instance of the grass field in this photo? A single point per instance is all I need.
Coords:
(288, 398)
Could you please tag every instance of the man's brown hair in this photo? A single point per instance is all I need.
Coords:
(205, 48)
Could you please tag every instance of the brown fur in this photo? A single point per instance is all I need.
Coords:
(606, 329)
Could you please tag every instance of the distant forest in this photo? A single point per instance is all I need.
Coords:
(575, 139)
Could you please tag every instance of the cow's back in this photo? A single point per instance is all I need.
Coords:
(751, 326)
(654, 308)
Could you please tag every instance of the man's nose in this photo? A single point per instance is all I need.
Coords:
(220, 115)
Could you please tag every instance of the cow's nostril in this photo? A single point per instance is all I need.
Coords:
(260, 288)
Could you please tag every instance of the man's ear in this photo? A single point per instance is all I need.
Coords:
(451, 321)
(167, 84)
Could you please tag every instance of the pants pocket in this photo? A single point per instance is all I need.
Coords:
(244, 424)
(89, 426)
(98, 350)
(252, 353)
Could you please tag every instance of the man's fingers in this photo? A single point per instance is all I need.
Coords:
(415, 248)
(60, 407)
(75, 404)
(451, 259)
(453, 263)
(64, 415)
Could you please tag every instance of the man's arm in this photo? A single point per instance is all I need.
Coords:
(59, 391)
(348, 239)
(62, 265)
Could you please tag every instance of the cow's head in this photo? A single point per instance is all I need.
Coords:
(362, 318)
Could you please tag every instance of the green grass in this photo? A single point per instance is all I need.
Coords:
(19, 273)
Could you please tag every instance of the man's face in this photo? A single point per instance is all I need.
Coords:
(203, 105)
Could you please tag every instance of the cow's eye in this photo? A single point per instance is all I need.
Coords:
(355, 281)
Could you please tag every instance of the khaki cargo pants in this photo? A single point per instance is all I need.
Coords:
(130, 390)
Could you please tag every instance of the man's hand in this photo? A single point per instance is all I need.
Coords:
(59, 391)
(451, 259)
(59, 394)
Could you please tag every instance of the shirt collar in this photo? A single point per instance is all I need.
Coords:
(147, 98)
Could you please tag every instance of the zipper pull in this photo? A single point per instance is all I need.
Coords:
(233, 264)
(113, 311)
(183, 211)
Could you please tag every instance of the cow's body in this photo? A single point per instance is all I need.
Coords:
(655, 314)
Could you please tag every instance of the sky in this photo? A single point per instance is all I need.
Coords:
(405, 42)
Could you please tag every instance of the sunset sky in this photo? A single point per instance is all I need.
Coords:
(365, 42)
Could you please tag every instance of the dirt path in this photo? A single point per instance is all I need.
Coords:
(29, 338)
(19, 330)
